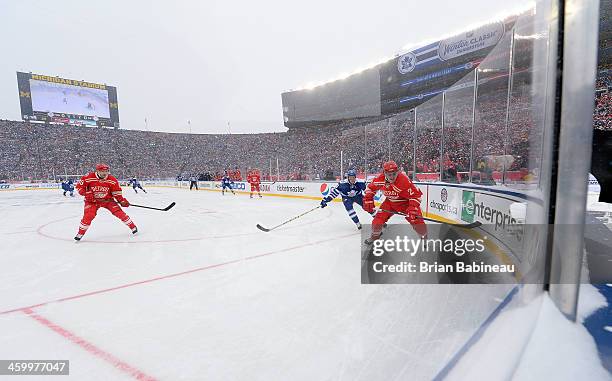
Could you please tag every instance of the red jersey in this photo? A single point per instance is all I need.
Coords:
(103, 189)
(401, 190)
(254, 178)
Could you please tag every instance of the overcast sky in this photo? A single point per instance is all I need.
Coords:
(214, 61)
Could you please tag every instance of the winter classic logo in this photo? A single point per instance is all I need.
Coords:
(484, 37)
(467, 206)
(406, 63)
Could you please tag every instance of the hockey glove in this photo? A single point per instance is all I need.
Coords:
(124, 202)
(413, 210)
(89, 197)
(368, 206)
(323, 204)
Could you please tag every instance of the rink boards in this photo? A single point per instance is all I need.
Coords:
(453, 202)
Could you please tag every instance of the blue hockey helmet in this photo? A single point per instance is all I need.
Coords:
(351, 173)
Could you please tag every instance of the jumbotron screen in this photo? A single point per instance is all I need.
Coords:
(60, 100)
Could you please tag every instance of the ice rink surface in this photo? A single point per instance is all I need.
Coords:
(199, 293)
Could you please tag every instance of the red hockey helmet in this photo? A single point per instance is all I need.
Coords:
(390, 166)
(102, 167)
(390, 169)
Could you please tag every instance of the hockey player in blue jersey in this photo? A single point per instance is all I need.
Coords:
(68, 186)
(135, 184)
(351, 191)
(226, 183)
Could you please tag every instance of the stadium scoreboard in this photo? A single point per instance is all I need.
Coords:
(60, 100)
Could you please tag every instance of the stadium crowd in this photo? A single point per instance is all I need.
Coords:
(602, 117)
(50, 151)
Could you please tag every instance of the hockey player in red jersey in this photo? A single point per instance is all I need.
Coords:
(255, 180)
(401, 195)
(102, 190)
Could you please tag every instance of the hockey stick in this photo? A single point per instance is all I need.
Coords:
(289, 220)
(464, 226)
(167, 208)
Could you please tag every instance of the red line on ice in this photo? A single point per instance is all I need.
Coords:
(89, 347)
(243, 259)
